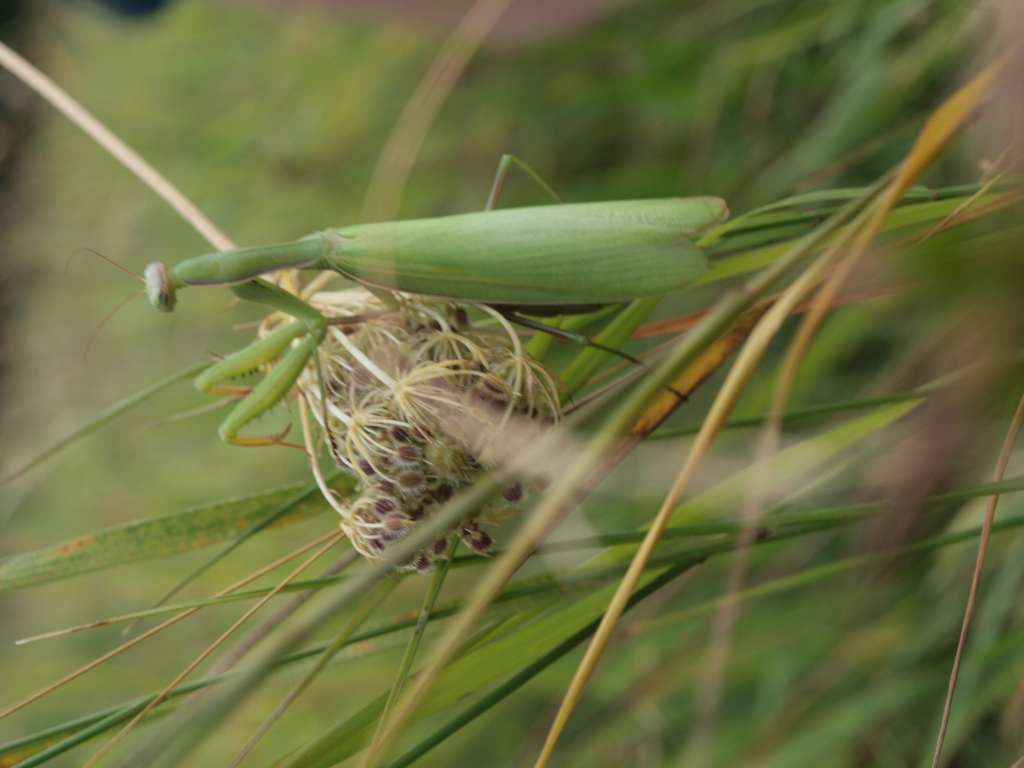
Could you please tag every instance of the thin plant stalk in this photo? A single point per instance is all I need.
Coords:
(360, 614)
(103, 418)
(395, 162)
(412, 647)
(104, 137)
(159, 628)
(940, 128)
(729, 394)
(986, 533)
(333, 539)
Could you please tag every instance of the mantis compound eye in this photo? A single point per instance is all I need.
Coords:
(160, 290)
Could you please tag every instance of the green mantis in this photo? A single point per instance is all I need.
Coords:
(541, 259)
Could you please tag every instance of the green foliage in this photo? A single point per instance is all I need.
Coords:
(273, 121)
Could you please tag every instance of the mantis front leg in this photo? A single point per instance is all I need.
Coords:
(309, 327)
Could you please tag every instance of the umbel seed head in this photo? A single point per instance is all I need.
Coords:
(160, 290)
(414, 405)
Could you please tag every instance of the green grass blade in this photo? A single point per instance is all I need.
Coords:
(161, 536)
(309, 493)
(527, 673)
(614, 335)
(103, 418)
(411, 648)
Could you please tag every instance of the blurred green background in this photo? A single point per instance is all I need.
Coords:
(272, 118)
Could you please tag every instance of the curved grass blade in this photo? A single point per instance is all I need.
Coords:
(905, 221)
(360, 614)
(990, 513)
(105, 417)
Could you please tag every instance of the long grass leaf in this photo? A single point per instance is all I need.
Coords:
(161, 536)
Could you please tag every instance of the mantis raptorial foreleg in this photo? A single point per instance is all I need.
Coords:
(309, 326)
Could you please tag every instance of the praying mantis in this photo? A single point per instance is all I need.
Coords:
(563, 258)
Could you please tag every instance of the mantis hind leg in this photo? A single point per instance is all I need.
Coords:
(578, 338)
(504, 166)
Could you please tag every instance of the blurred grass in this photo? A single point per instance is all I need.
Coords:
(273, 121)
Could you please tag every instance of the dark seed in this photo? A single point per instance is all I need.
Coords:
(384, 505)
(386, 487)
(513, 492)
(390, 537)
(396, 522)
(476, 539)
(411, 480)
(408, 453)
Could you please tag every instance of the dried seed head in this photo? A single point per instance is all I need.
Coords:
(414, 401)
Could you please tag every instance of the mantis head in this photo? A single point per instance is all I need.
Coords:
(160, 287)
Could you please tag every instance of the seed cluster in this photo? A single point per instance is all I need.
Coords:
(414, 401)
